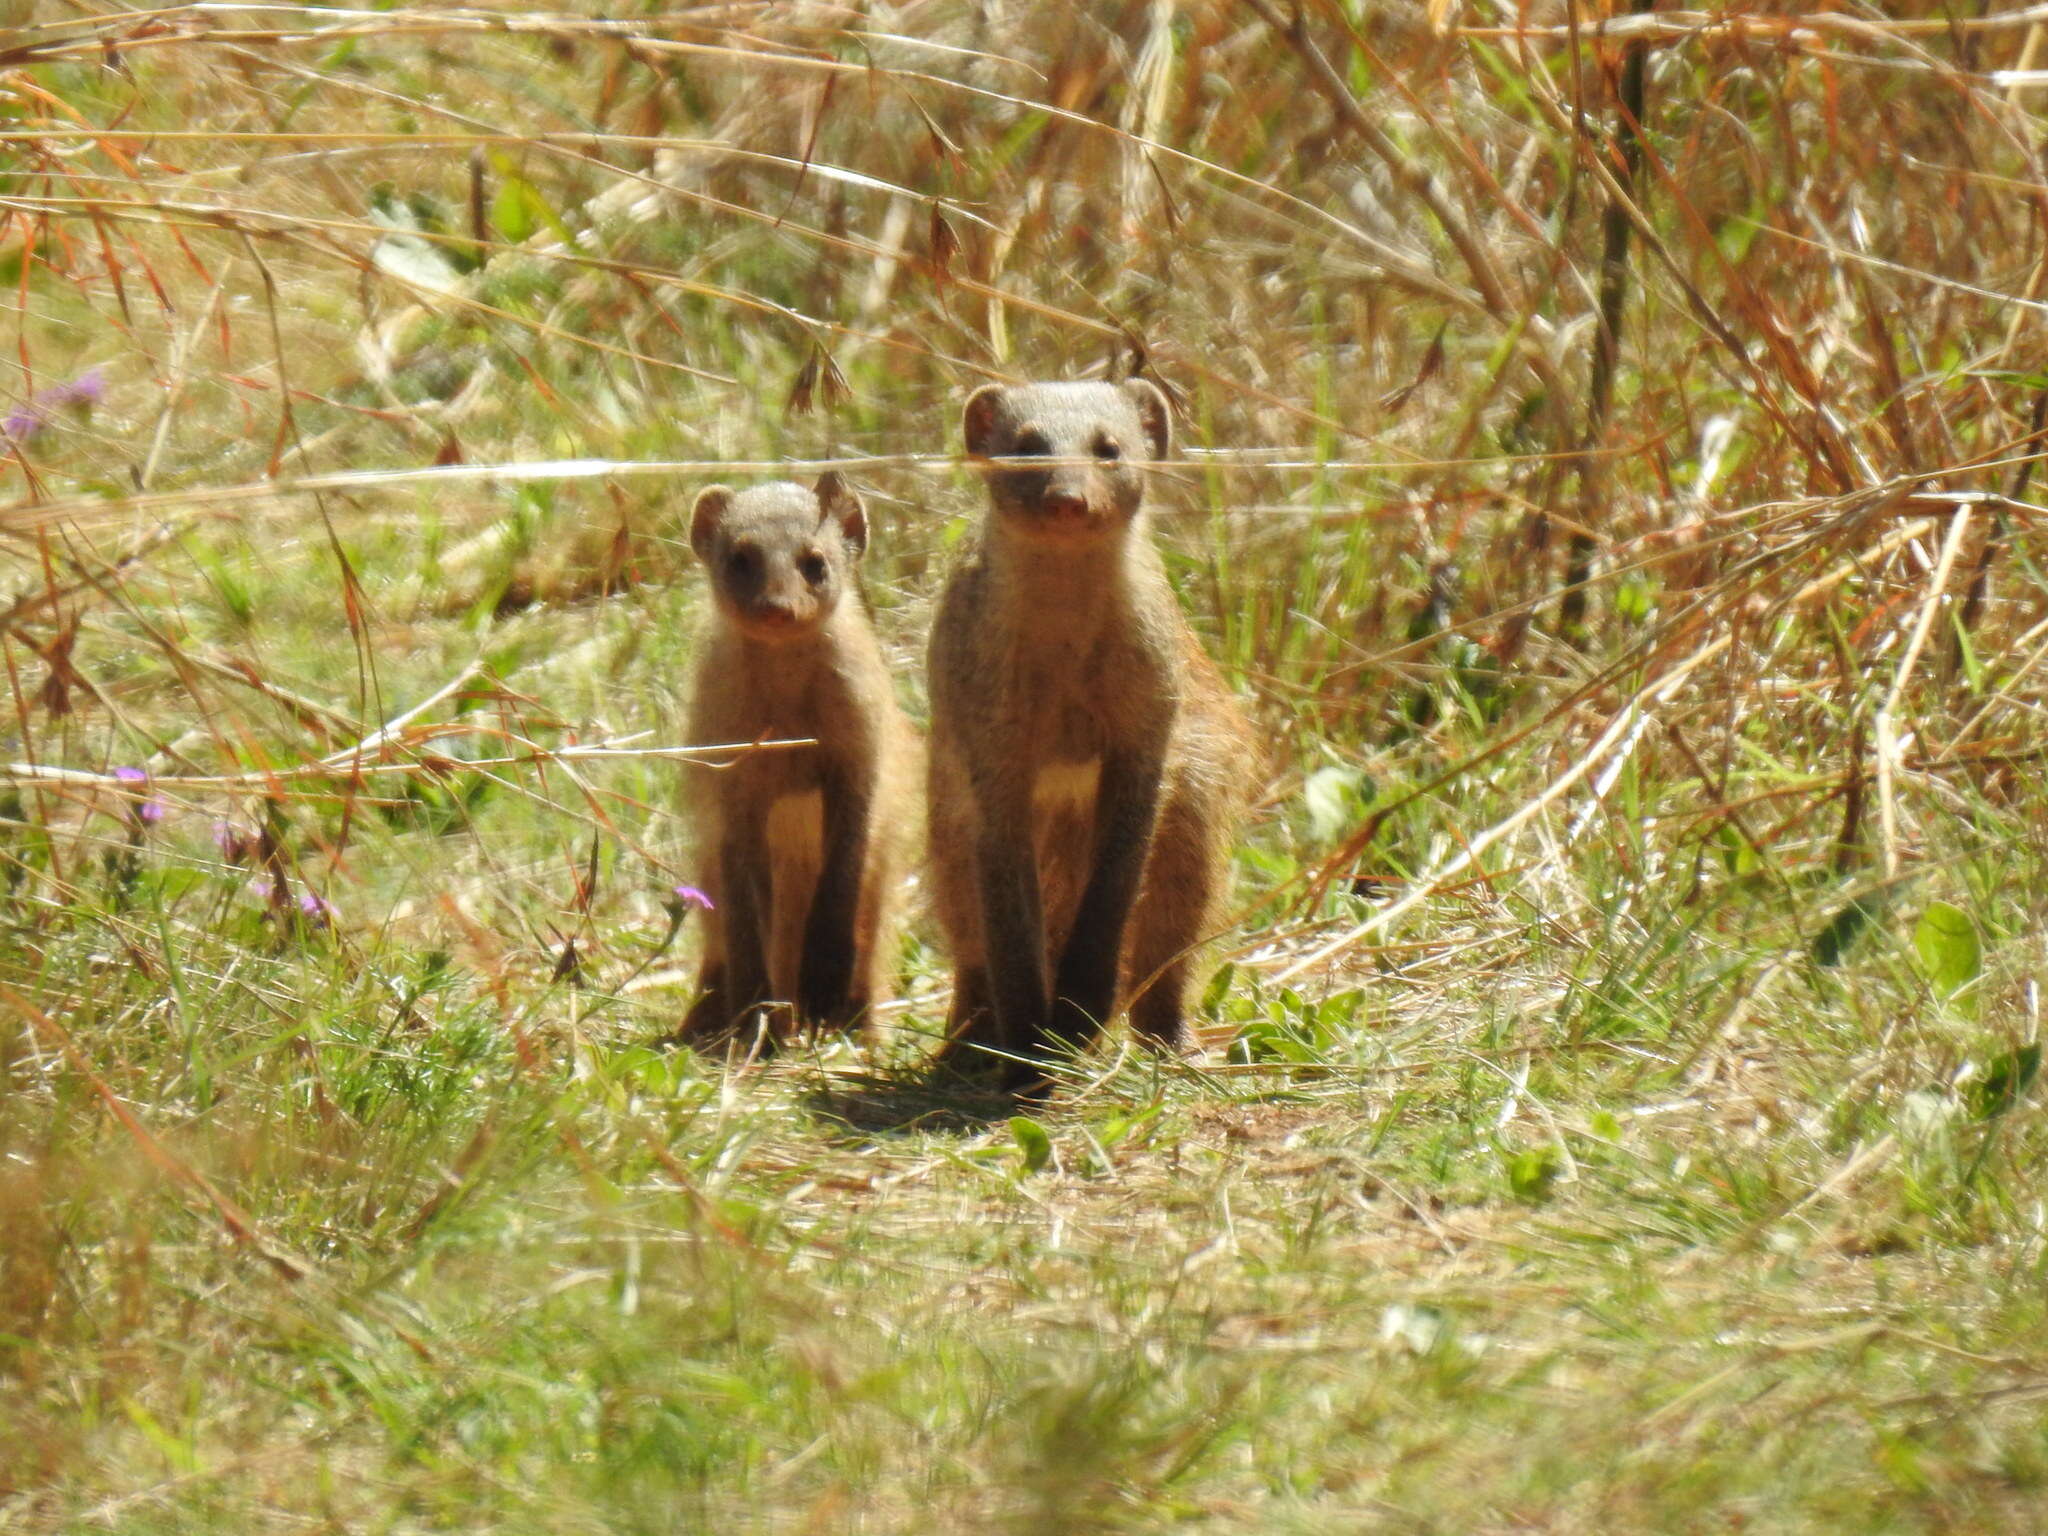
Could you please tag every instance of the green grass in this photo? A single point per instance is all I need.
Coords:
(1653, 1145)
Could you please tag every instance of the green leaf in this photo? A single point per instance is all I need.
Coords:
(2005, 1082)
(1531, 1173)
(1118, 1129)
(339, 54)
(2009, 376)
(1032, 1142)
(1290, 1031)
(510, 215)
(1900, 1460)
(520, 208)
(1831, 945)
(1735, 236)
(167, 884)
(1218, 990)
(179, 1453)
(1361, 76)
(1738, 854)
(1950, 953)
(1973, 669)
(1634, 598)
(1336, 1012)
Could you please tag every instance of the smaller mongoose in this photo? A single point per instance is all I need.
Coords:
(1089, 767)
(802, 848)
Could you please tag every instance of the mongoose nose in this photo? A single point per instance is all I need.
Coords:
(1065, 504)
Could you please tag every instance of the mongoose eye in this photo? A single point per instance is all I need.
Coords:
(1107, 450)
(811, 566)
(740, 563)
(1030, 445)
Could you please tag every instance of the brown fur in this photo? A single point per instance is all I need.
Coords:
(802, 848)
(1089, 767)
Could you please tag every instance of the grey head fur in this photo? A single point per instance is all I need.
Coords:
(1104, 433)
(781, 556)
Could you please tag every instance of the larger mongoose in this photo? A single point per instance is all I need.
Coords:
(1089, 768)
(803, 847)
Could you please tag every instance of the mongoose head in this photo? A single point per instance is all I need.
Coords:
(781, 556)
(1105, 433)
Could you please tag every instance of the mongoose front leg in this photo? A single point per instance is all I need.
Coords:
(1126, 807)
(968, 1023)
(1013, 926)
(746, 926)
(831, 958)
(1180, 907)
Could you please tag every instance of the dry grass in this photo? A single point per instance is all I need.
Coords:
(1625, 537)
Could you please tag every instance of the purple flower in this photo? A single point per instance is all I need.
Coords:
(150, 810)
(89, 388)
(690, 896)
(25, 421)
(318, 909)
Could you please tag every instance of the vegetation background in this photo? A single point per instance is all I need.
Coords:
(1608, 439)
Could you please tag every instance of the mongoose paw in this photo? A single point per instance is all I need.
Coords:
(1029, 1082)
(981, 1067)
(971, 1065)
(825, 981)
(753, 1033)
(822, 1000)
(1172, 1039)
(710, 1015)
(849, 1017)
(1074, 1025)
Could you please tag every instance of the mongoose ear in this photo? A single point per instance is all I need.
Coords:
(1154, 415)
(978, 419)
(705, 515)
(839, 501)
